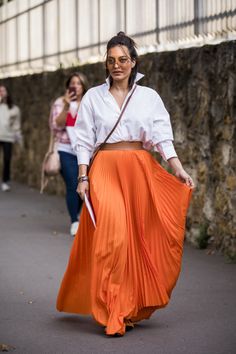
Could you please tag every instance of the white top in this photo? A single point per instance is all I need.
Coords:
(145, 119)
(63, 134)
(10, 124)
(73, 109)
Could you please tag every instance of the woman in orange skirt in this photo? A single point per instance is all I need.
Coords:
(125, 268)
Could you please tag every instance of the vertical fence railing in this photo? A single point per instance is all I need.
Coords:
(195, 21)
(157, 22)
(196, 17)
(162, 24)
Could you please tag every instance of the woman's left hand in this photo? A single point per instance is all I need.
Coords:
(184, 177)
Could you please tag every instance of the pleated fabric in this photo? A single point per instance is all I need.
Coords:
(127, 267)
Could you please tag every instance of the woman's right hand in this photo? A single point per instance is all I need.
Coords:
(68, 97)
(83, 187)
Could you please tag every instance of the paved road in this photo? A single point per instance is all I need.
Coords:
(34, 248)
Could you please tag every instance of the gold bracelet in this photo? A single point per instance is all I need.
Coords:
(84, 175)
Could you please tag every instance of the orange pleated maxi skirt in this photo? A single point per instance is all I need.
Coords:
(127, 267)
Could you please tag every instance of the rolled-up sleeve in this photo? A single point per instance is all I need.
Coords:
(166, 149)
(85, 132)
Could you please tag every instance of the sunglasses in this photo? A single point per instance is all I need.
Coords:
(120, 61)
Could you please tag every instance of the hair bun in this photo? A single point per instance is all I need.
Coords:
(126, 38)
(121, 34)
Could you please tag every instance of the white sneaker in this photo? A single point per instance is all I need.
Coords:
(74, 228)
(5, 187)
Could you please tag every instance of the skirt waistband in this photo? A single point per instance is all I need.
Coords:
(123, 145)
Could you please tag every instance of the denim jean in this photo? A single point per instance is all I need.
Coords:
(7, 154)
(69, 172)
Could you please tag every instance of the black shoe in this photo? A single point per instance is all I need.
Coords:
(129, 325)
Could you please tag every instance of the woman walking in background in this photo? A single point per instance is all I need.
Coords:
(10, 132)
(125, 268)
(62, 120)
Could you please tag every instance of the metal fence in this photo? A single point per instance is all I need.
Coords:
(39, 35)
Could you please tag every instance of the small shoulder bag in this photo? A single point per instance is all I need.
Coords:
(51, 163)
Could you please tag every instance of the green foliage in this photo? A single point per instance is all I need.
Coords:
(230, 256)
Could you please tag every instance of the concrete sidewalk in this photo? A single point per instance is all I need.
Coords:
(34, 249)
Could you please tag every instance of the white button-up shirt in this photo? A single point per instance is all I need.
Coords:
(145, 119)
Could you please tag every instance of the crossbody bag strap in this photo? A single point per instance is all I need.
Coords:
(120, 116)
(108, 136)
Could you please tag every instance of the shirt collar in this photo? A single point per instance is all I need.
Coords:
(138, 77)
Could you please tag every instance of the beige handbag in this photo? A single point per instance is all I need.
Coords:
(51, 163)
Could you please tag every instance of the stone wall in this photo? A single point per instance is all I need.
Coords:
(198, 86)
